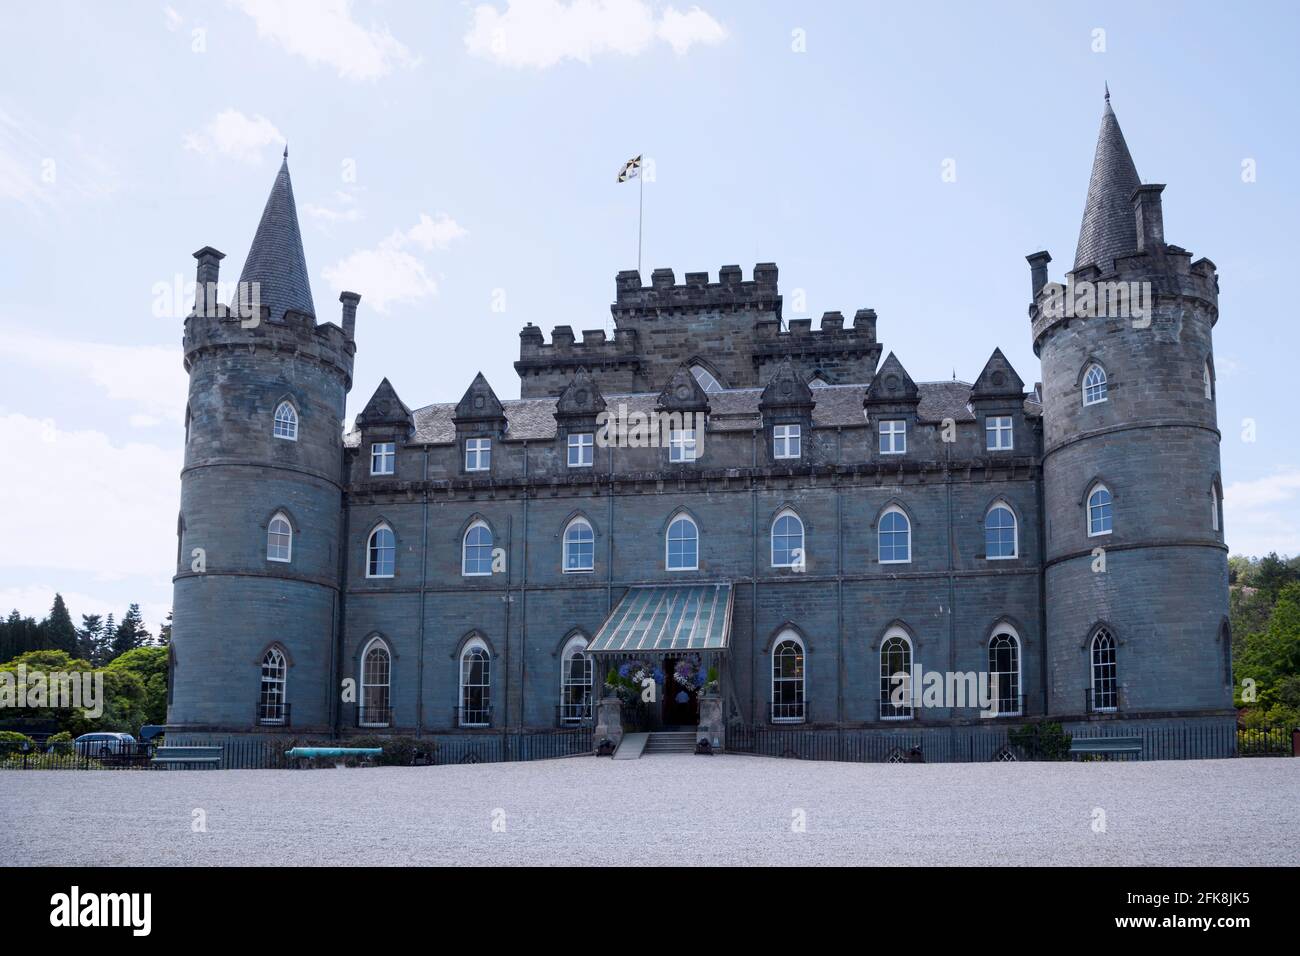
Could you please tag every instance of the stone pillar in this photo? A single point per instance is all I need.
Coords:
(609, 721)
(711, 727)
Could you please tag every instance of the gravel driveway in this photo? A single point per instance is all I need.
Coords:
(663, 809)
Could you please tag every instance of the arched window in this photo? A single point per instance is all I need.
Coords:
(1004, 671)
(683, 545)
(895, 676)
(787, 541)
(1099, 511)
(376, 671)
(1105, 685)
(579, 546)
(286, 422)
(271, 705)
(575, 682)
(1216, 507)
(788, 700)
(475, 685)
(1094, 385)
(381, 553)
(279, 539)
(1208, 381)
(1000, 539)
(476, 555)
(706, 379)
(895, 537)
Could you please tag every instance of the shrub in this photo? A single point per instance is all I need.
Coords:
(1042, 741)
(12, 739)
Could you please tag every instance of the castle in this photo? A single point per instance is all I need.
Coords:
(814, 523)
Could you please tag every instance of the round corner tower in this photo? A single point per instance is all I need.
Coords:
(256, 599)
(1136, 574)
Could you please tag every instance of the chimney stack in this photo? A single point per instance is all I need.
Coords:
(205, 291)
(1150, 217)
(1038, 272)
(349, 300)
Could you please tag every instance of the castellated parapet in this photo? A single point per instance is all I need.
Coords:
(732, 328)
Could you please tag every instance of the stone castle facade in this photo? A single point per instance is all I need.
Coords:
(813, 522)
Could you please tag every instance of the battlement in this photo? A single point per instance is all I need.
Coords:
(663, 296)
(218, 328)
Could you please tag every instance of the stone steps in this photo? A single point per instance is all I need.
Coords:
(671, 742)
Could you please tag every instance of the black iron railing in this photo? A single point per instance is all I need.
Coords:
(273, 713)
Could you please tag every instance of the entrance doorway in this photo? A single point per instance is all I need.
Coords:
(681, 707)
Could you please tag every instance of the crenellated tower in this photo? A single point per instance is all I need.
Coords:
(1136, 566)
(261, 492)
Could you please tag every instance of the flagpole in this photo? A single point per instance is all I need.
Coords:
(640, 213)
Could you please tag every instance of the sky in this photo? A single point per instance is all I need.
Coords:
(456, 163)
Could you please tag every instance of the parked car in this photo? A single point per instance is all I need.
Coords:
(104, 744)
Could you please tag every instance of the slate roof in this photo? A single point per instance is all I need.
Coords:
(1109, 227)
(275, 259)
(734, 409)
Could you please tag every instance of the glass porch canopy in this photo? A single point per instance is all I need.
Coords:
(665, 618)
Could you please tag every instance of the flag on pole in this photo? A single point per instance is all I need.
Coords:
(631, 170)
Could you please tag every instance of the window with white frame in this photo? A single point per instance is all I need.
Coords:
(1105, 682)
(997, 433)
(1099, 511)
(271, 705)
(376, 673)
(1094, 385)
(1004, 672)
(478, 454)
(1000, 533)
(895, 676)
(683, 545)
(893, 436)
(894, 537)
(682, 445)
(818, 383)
(788, 690)
(1214, 507)
(279, 538)
(1208, 381)
(579, 546)
(475, 685)
(786, 441)
(582, 450)
(383, 458)
(476, 554)
(787, 540)
(381, 553)
(707, 380)
(286, 422)
(575, 682)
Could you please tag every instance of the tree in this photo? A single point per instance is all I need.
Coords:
(18, 635)
(1271, 657)
(149, 664)
(130, 633)
(165, 632)
(89, 636)
(104, 646)
(57, 631)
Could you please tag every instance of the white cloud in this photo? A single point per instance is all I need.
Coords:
(172, 18)
(542, 33)
(389, 273)
(150, 377)
(1263, 515)
(39, 167)
(233, 134)
(323, 31)
(81, 503)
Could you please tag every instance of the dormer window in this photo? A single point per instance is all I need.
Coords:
(893, 436)
(383, 458)
(786, 441)
(998, 433)
(582, 450)
(682, 446)
(286, 422)
(478, 454)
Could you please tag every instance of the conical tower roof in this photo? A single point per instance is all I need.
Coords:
(1109, 226)
(275, 260)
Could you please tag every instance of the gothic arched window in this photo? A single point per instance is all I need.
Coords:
(579, 546)
(788, 679)
(1094, 385)
(1000, 539)
(895, 537)
(1105, 682)
(475, 685)
(376, 672)
(279, 539)
(476, 555)
(381, 553)
(683, 545)
(895, 676)
(271, 705)
(1004, 667)
(286, 421)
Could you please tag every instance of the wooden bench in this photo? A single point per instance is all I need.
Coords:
(188, 757)
(1105, 745)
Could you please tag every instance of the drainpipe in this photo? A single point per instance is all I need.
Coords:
(952, 579)
(839, 589)
(753, 580)
(340, 607)
(510, 560)
(1042, 585)
(424, 581)
(523, 608)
